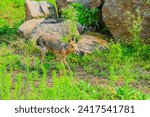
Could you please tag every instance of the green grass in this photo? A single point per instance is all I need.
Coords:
(121, 72)
(7, 10)
(26, 78)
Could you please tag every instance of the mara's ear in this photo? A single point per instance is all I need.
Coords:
(69, 39)
(75, 39)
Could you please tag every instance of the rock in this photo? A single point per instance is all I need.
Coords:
(35, 10)
(95, 3)
(45, 7)
(114, 15)
(89, 43)
(90, 3)
(60, 29)
(26, 28)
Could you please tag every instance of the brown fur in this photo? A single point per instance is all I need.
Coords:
(54, 45)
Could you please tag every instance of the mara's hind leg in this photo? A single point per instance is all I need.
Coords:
(42, 53)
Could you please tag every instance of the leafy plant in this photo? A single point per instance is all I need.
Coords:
(135, 26)
(87, 17)
(78, 12)
(70, 14)
(134, 22)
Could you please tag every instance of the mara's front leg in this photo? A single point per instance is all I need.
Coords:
(65, 62)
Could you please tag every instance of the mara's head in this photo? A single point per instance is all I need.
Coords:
(72, 45)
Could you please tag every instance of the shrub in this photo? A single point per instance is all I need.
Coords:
(87, 17)
(78, 12)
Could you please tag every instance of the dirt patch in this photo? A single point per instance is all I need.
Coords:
(142, 85)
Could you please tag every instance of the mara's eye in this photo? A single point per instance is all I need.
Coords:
(72, 46)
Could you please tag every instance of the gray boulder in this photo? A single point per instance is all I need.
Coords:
(26, 28)
(35, 10)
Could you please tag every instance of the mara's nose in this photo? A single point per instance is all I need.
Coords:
(78, 52)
